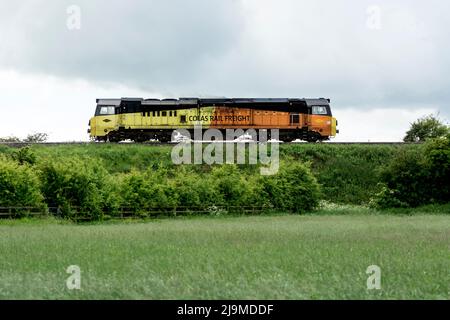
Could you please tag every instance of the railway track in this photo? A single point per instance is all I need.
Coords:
(24, 144)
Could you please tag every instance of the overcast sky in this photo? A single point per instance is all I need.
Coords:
(382, 63)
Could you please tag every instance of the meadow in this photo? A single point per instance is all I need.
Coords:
(320, 256)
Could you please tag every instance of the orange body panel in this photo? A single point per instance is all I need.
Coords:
(225, 117)
(321, 124)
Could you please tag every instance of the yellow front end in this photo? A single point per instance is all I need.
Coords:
(101, 126)
(333, 127)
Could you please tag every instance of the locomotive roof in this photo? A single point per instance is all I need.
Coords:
(238, 102)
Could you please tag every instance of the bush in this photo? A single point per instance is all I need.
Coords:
(142, 191)
(80, 188)
(229, 183)
(238, 188)
(293, 189)
(195, 189)
(19, 185)
(24, 155)
(417, 177)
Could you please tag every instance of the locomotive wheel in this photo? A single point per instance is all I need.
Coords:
(287, 140)
(113, 138)
(313, 137)
(164, 138)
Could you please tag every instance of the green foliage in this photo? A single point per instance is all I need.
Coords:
(387, 198)
(100, 178)
(417, 177)
(425, 128)
(438, 159)
(142, 191)
(193, 190)
(19, 185)
(78, 186)
(239, 188)
(349, 174)
(293, 189)
(24, 155)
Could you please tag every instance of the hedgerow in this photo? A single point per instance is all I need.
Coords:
(78, 187)
(97, 180)
(417, 177)
(19, 185)
(293, 189)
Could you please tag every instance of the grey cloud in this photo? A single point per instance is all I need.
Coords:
(241, 48)
(146, 43)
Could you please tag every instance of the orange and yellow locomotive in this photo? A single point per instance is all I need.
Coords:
(145, 119)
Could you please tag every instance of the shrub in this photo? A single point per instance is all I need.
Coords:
(417, 177)
(80, 188)
(438, 157)
(229, 184)
(142, 191)
(195, 189)
(238, 188)
(293, 189)
(24, 155)
(19, 185)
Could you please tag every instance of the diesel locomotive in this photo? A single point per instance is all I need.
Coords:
(142, 120)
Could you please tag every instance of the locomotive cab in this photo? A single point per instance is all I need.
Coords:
(105, 119)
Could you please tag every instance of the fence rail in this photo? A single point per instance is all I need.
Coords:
(76, 213)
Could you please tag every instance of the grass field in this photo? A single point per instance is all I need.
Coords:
(264, 257)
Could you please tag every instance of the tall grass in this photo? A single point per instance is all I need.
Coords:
(265, 257)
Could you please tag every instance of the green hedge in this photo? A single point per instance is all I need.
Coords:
(19, 185)
(225, 186)
(97, 180)
(417, 177)
(81, 186)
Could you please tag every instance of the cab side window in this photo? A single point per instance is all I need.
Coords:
(107, 110)
(319, 110)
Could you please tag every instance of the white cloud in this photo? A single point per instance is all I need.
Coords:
(377, 124)
(57, 106)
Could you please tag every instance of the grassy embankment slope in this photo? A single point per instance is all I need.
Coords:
(348, 173)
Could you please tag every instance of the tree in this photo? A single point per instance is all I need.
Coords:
(425, 128)
(10, 139)
(38, 137)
